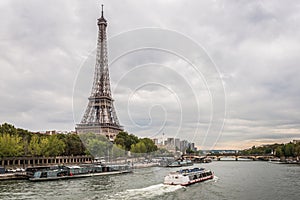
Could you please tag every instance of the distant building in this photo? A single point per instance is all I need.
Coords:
(177, 144)
(184, 144)
(174, 144)
(155, 140)
(192, 147)
(296, 141)
(54, 132)
(170, 142)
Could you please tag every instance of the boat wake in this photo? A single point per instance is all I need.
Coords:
(147, 192)
(215, 179)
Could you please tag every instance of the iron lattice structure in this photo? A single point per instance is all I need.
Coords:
(100, 116)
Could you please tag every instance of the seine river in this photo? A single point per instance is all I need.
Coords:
(234, 180)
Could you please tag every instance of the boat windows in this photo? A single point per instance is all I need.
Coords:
(43, 175)
(62, 173)
(52, 173)
(37, 174)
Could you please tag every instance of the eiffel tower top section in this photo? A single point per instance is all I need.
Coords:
(100, 116)
(101, 85)
(102, 19)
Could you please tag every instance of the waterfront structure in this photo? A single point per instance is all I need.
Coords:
(174, 145)
(100, 116)
(192, 146)
(177, 143)
(296, 141)
(170, 142)
(55, 132)
(24, 162)
(184, 145)
(155, 140)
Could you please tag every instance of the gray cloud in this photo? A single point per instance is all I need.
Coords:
(253, 43)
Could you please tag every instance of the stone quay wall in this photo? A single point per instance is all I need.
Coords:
(24, 162)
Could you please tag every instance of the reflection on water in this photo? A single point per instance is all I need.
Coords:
(235, 180)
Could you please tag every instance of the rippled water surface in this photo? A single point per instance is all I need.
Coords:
(234, 180)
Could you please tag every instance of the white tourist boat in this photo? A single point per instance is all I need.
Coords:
(186, 177)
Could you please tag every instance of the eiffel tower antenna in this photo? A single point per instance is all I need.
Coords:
(100, 116)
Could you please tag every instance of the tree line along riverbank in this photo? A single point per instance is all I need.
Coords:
(17, 142)
(288, 150)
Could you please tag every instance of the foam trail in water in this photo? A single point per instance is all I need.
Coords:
(147, 192)
(215, 179)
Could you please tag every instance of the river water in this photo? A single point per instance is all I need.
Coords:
(234, 180)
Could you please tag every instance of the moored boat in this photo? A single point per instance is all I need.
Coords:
(186, 177)
(186, 163)
(174, 164)
(180, 163)
(80, 171)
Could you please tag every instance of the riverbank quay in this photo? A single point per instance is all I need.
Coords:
(13, 176)
(286, 162)
(144, 165)
(13, 173)
(24, 162)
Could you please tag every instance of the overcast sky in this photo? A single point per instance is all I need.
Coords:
(210, 63)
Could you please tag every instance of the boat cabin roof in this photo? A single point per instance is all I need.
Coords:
(74, 167)
(191, 170)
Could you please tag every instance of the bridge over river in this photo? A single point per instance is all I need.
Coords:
(236, 156)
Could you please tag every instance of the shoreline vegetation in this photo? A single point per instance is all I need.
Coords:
(288, 151)
(17, 142)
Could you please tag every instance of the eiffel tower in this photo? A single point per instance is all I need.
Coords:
(100, 116)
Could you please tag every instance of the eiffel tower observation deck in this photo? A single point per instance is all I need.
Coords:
(100, 116)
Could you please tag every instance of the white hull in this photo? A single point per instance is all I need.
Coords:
(188, 176)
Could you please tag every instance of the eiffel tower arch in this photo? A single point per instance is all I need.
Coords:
(100, 116)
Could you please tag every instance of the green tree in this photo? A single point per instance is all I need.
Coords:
(150, 146)
(74, 145)
(117, 151)
(97, 148)
(297, 150)
(268, 150)
(34, 146)
(11, 145)
(139, 147)
(8, 129)
(44, 144)
(52, 146)
(125, 140)
(278, 151)
(56, 146)
(97, 145)
(120, 141)
(288, 150)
